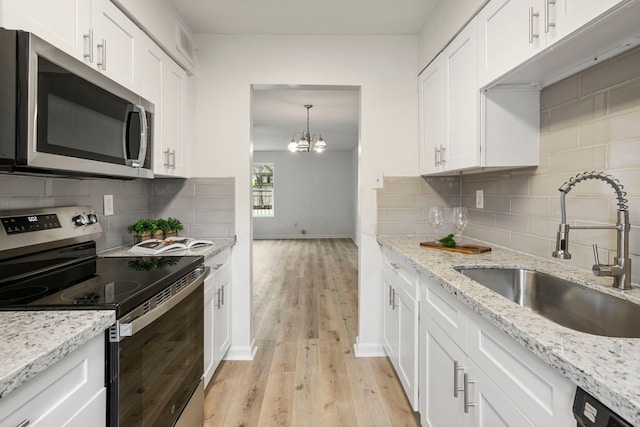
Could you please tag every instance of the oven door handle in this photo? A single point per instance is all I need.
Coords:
(123, 330)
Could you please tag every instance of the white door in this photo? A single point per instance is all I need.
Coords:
(506, 36)
(441, 405)
(566, 16)
(175, 91)
(389, 317)
(431, 98)
(63, 23)
(209, 325)
(462, 134)
(223, 318)
(114, 42)
(407, 313)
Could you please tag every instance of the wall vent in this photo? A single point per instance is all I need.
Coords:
(184, 43)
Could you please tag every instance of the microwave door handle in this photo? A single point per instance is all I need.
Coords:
(140, 158)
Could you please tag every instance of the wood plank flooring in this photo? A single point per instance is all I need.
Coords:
(304, 373)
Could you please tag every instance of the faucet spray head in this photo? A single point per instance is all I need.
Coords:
(562, 243)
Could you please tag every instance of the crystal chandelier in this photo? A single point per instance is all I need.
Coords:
(306, 141)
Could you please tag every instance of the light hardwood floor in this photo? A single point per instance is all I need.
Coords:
(305, 373)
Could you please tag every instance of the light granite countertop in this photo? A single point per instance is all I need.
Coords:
(208, 251)
(34, 340)
(608, 368)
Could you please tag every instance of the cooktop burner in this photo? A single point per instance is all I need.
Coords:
(99, 283)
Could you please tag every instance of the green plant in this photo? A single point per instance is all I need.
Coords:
(143, 226)
(448, 241)
(163, 225)
(175, 224)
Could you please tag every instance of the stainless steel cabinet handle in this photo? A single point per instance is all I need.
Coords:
(394, 265)
(443, 150)
(167, 161)
(103, 62)
(89, 39)
(222, 294)
(436, 155)
(218, 299)
(390, 295)
(456, 368)
(532, 35)
(547, 22)
(467, 404)
(24, 423)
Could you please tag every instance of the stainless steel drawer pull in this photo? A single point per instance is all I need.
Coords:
(24, 423)
(467, 404)
(547, 21)
(456, 368)
(532, 35)
(89, 39)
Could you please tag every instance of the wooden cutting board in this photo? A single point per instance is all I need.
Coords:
(465, 249)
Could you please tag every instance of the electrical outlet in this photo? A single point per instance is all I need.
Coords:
(108, 204)
(480, 199)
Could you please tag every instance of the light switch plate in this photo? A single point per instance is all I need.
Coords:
(378, 181)
(108, 204)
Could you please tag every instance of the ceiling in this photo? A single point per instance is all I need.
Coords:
(278, 111)
(293, 17)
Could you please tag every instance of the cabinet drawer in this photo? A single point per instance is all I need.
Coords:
(406, 274)
(447, 312)
(540, 392)
(67, 390)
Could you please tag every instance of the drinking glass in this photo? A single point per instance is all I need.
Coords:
(436, 218)
(460, 219)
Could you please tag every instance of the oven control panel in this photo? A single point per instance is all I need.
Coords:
(29, 223)
(49, 227)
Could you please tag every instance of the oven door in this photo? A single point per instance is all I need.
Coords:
(154, 372)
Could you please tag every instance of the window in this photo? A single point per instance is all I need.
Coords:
(262, 183)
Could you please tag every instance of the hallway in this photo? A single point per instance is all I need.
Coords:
(304, 372)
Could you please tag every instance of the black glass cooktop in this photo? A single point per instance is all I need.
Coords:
(120, 283)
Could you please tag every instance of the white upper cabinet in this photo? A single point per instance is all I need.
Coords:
(431, 98)
(114, 42)
(510, 32)
(462, 106)
(170, 153)
(63, 23)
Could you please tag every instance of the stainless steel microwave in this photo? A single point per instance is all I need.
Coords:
(58, 115)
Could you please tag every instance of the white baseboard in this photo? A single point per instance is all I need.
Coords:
(368, 350)
(241, 353)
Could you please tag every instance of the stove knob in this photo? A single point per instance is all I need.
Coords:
(93, 218)
(79, 220)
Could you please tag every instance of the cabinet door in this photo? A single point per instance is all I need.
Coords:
(431, 98)
(462, 99)
(487, 405)
(566, 16)
(209, 327)
(222, 335)
(389, 317)
(440, 404)
(506, 36)
(63, 23)
(114, 41)
(407, 360)
(171, 158)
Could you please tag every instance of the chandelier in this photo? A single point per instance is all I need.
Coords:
(306, 141)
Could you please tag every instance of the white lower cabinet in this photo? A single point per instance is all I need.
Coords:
(69, 393)
(400, 322)
(472, 374)
(217, 313)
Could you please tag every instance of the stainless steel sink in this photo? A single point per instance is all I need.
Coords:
(566, 303)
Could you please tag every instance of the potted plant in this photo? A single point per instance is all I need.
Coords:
(163, 226)
(143, 229)
(174, 226)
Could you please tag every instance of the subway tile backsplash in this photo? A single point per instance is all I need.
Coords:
(206, 206)
(589, 121)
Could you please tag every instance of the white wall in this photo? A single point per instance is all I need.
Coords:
(384, 67)
(312, 192)
(447, 18)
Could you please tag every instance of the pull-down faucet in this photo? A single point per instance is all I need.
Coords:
(621, 270)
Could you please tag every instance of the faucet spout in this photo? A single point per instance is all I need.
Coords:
(621, 270)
